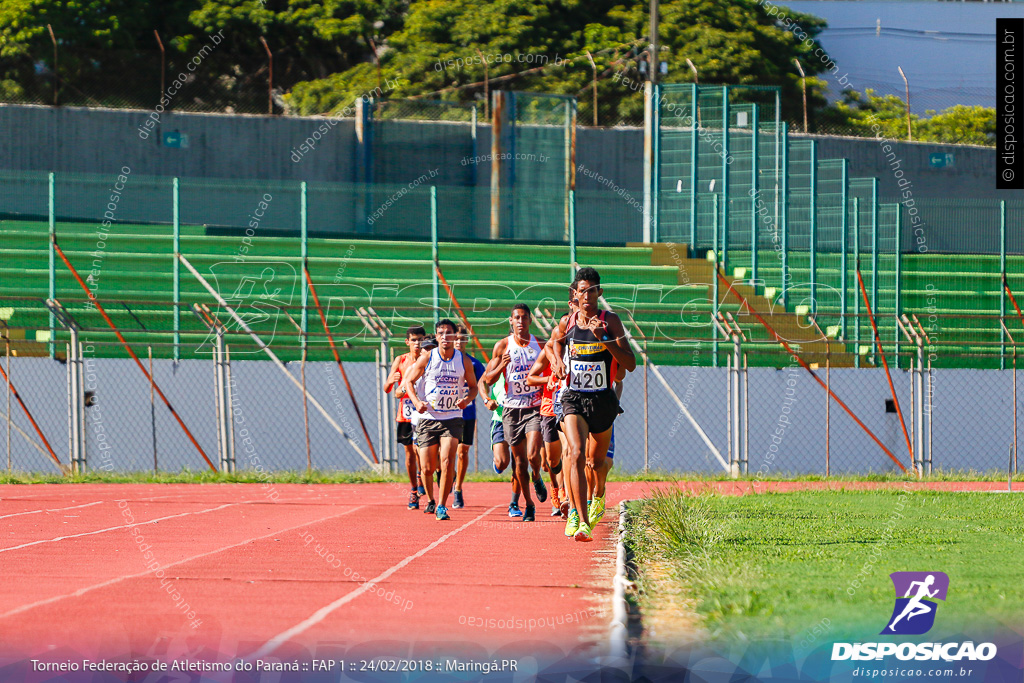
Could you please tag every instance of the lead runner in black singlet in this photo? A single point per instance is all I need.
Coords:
(594, 345)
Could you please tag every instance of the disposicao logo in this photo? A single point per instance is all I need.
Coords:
(914, 615)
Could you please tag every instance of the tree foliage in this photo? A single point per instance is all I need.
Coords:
(859, 115)
(327, 52)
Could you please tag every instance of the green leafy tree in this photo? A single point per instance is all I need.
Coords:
(435, 52)
(870, 115)
(960, 124)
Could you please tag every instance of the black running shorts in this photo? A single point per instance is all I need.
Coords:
(468, 430)
(403, 432)
(549, 428)
(599, 408)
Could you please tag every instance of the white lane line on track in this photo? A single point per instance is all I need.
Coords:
(87, 589)
(35, 512)
(323, 612)
(120, 526)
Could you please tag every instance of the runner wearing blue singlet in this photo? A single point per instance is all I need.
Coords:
(469, 424)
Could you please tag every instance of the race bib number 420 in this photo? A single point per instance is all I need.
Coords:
(585, 376)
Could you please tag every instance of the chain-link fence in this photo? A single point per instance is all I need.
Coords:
(239, 411)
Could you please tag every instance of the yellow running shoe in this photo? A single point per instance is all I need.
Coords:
(596, 511)
(583, 534)
(573, 524)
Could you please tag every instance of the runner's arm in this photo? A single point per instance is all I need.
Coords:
(413, 376)
(467, 363)
(555, 347)
(615, 341)
(534, 378)
(394, 377)
(497, 364)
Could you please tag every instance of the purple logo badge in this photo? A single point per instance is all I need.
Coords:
(916, 593)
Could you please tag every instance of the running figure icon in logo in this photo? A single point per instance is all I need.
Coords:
(914, 613)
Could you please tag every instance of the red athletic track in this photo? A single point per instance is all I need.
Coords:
(75, 582)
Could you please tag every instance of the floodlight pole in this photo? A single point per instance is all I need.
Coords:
(910, 134)
(803, 86)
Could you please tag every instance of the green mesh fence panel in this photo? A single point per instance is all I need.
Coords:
(539, 146)
(740, 169)
(886, 310)
(767, 205)
(831, 197)
(711, 143)
(677, 138)
(799, 180)
(445, 133)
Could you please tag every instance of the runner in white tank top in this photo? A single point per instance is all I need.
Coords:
(518, 393)
(513, 357)
(440, 401)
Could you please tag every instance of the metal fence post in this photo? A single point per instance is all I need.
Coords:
(231, 408)
(844, 263)
(433, 253)
(647, 462)
(813, 266)
(856, 299)
(725, 179)
(51, 213)
(74, 405)
(874, 245)
(152, 408)
(656, 166)
(218, 396)
(784, 215)
(7, 340)
(694, 163)
(1002, 290)
(714, 282)
(305, 404)
(899, 277)
(572, 234)
(176, 275)
(754, 143)
(304, 248)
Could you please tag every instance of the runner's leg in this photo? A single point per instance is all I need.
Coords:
(449, 448)
(521, 469)
(428, 463)
(574, 463)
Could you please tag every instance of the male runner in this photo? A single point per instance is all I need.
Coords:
(513, 357)
(596, 345)
(445, 372)
(494, 396)
(403, 427)
(597, 479)
(469, 423)
(541, 375)
(428, 344)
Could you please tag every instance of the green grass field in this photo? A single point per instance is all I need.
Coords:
(781, 564)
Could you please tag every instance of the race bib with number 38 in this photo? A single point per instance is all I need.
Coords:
(407, 408)
(584, 376)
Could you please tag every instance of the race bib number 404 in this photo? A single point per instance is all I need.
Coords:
(585, 376)
(445, 400)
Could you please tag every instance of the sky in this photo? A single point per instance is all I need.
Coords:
(946, 49)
